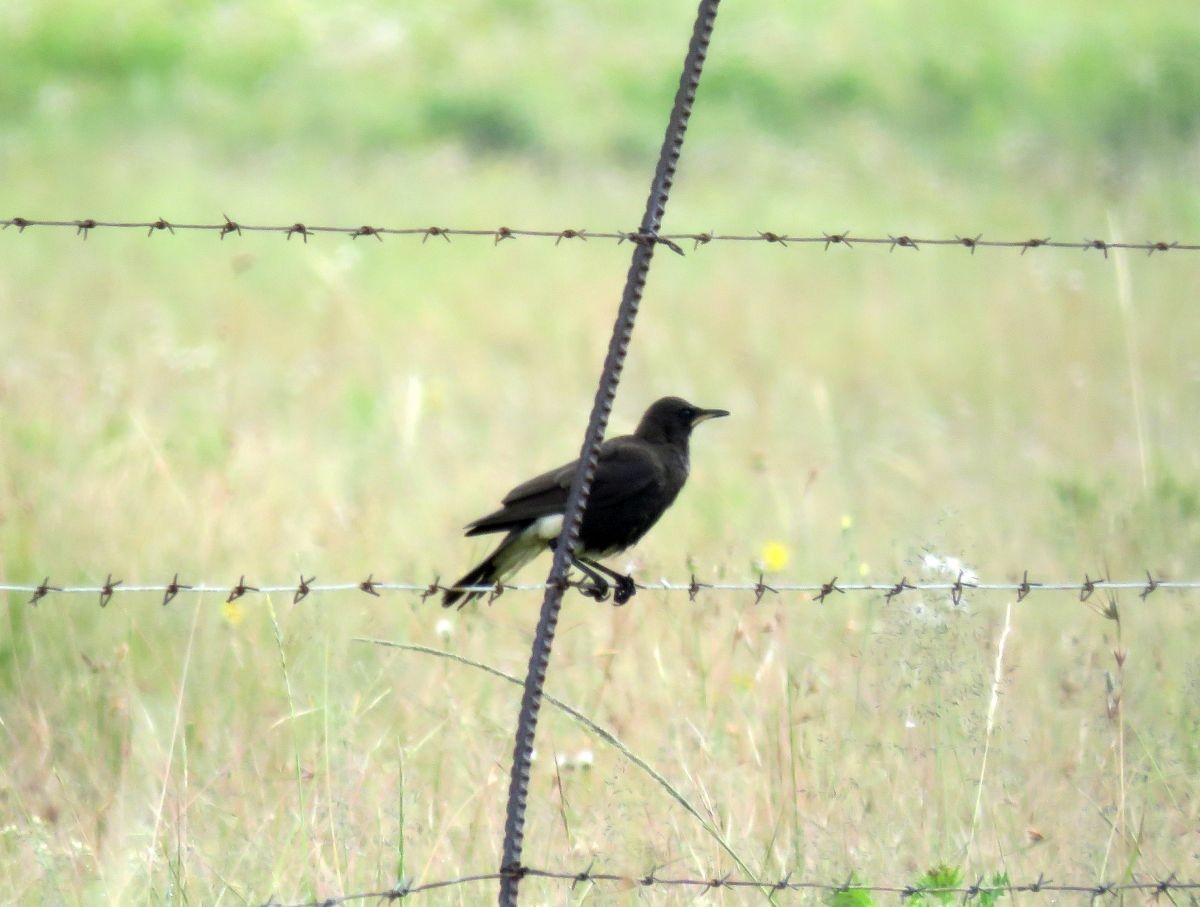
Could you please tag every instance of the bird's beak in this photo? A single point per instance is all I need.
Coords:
(705, 414)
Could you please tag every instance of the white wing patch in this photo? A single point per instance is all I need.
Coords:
(546, 528)
(528, 545)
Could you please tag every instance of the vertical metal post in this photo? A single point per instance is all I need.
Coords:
(635, 282)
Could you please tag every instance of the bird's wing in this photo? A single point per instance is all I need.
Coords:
(623, 470)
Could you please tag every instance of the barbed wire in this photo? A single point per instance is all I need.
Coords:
(819, 591)
(84, 226)
(1166, 886)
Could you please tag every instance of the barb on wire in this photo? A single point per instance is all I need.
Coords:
(171, 589)
(41, 590)
(106, 591)
(110, 588)
(760, 589)
(651, 879)
(1026, 586)
(827, 589)
(241, 589)
(83, 227)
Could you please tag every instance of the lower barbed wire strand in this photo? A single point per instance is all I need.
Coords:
(650, 879)
(664, 585)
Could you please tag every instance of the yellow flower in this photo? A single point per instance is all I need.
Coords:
(232, 612)
(775, 556)
(864, 568)
(847, 522)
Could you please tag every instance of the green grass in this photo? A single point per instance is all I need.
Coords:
(340, 408)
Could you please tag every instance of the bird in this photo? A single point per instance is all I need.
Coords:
(637, 478)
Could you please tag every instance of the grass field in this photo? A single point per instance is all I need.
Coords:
(262, 407)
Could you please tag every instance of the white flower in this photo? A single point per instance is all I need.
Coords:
(444, 628)
(584, 759)
(950, 566)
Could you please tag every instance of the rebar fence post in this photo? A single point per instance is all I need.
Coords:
(644, 242)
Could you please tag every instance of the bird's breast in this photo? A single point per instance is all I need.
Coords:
(684, 462)
(615, 526)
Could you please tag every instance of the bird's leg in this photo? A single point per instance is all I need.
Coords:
(598, 590)
(599, 587)
(626, 587)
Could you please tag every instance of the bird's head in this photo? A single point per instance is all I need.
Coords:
(672, 419)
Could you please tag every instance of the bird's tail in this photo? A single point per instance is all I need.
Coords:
(485, 574)
(516, 550)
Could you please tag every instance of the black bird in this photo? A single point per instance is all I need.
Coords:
(637, 478)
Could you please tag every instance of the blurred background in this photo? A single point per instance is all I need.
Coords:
(336, 408)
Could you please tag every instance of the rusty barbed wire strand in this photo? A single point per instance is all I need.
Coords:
(398, 892)
(110, 588)
(83, 227)
(980, 889)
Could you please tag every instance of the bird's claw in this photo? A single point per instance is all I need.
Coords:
(597, 591)
(626, 589)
